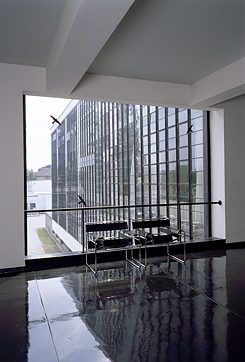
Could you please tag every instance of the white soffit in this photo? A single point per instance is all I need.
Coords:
(226, 83)
(84, 28)
(136, 91)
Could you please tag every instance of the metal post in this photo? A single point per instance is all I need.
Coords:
(83, 233)
(179, 215)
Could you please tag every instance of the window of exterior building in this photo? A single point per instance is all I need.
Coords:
(115, 155)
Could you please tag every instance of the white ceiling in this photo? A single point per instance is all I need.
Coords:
(27, 30)
(168, 41)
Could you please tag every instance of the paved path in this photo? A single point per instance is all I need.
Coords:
(34, 245)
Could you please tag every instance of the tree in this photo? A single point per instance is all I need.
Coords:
(30, 175)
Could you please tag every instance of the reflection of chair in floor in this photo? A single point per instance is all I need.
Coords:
(159, 283)
(114, 289)
(111, 288)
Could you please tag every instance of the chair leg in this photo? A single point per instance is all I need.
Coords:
(94, 271)
(181, 232)
(132, 261)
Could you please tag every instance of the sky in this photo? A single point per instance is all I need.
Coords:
(38, 124)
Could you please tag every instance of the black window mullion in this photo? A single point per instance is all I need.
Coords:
(167, 160)
(93, 155)
(157, 162)
(122, 153)
(105, 156)
(142, 160)
(101, 158)
(128, 163)
(109, 156)
(86, 187)
(118, 160)
(207, 175)
(190, 173)
(96, 168)
(177, 168)
(135, 157)
(113, 158)
(149, 157)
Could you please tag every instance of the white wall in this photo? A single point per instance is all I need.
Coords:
(217, 150)
(67, 238)
(39, 186)
(40, 193)
(234, 145)
(13, 81)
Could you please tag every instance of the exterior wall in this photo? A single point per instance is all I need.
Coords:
(39, 192)
(114, 154)
(43, 186)
(65, 238)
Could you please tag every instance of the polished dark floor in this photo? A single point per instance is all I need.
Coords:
(167, 313)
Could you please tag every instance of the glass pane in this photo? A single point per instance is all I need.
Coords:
(184, 172)
(162, 146)
(185, 218)
(172, 155)
(183, 129)
(196, 113)
(183, 116)
(161, 135)
(197, 151)
(172, 143)
(162, 156)
(171, 132)
(197, 137)
(161, 112)
(183, 153)
(183, 141)
(197, 164)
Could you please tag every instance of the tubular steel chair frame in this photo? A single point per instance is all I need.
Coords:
(165, 230)
(108, 226)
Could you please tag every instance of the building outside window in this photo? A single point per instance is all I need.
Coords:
(117, 154)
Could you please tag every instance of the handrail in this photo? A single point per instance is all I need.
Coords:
(124, 206)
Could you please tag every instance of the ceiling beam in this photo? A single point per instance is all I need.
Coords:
(83, 30)
(128, 90)
(226, 83)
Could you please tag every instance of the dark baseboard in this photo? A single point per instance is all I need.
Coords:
(75, 259)
(12, 271)
(51, 261)
(58, 261)
(236, 245)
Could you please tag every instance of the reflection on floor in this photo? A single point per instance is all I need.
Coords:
(167, 313)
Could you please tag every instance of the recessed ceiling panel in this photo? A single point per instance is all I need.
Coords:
(174, 41)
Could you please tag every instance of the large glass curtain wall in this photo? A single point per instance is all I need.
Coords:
(117, 154)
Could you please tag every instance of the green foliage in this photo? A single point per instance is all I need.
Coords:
(48, 243)
(183, 183)
(30, 175)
